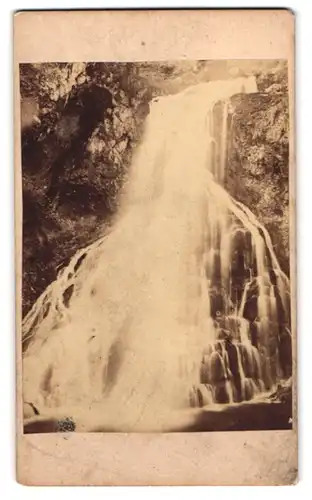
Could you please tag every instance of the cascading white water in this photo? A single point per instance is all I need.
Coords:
(130, 326)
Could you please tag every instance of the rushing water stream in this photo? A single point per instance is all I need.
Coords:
(183, 303)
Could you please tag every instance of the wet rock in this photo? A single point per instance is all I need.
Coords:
(224, 334)
(219, 347)
(234, 363)
(247, 360)
(41, 426)
(249, 389)
(273, 359)
(260, 386)
(205, 395)
(282, 314)
(239, 264)
(257, 374)
(252, 416)
(251, 308)
(232, 326)
(29, 410)
(254, 333)
(227, 364)
(236, 397)
(217, 303)
(201, 396)
(283, 392)
(222, 393)
(216, 277)
(233, 354)
(265, 368)
(218, 372)
(204, 371)
(285, 352)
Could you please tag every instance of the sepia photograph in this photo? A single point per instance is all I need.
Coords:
(156, 293)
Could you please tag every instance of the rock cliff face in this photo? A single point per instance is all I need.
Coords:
(258, 157)
(81, 124)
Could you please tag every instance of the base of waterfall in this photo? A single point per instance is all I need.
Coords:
(266, 412)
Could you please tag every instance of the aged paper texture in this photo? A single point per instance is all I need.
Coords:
(155, 247)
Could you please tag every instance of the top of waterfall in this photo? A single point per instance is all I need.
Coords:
(215, 90)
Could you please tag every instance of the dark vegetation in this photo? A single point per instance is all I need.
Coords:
(80, 125)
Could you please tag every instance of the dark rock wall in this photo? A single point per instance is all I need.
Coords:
(258, 157)
(79, 128)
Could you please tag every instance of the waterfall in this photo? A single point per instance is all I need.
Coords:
(182, 303)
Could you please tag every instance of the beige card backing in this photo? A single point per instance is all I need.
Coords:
(226, 458)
